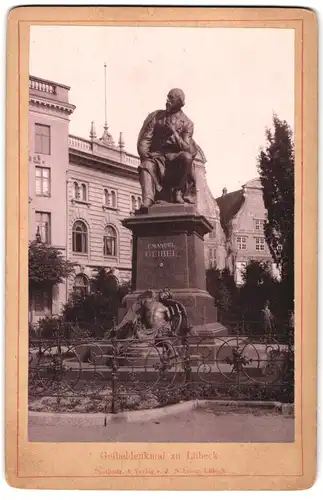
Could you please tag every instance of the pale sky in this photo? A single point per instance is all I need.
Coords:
(233, 79)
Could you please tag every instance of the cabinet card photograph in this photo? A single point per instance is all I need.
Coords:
(161, 248)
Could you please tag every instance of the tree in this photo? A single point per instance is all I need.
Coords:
(105, 283)
(260, 286)
(97, 311)
(93, 312)
(47, 266)
(256, 273)
(276, 170)
(221, 286)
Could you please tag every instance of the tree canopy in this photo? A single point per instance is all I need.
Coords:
(276, 170)
(97, 310)
(47, 266)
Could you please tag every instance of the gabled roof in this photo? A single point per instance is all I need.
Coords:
(254, 183)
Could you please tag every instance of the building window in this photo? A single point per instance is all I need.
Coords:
(260, 224)
(106, 198)
(110, 198)
(42, 139)
(110, 242)
(43, 227)
(80, 237)
(42, 302)
(260, 244)
(81, 285)
(42, 181)
(113, 197)
(79, 191)
(212, 257)
(212, 234)
(76, 191)
(83, 192)
(242, 242)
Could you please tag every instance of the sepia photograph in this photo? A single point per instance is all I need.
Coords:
(161, 248)
(161, 233)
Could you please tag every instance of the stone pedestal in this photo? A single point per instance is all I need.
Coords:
(168, 251)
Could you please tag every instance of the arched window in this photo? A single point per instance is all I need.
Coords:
(83, 192)
(139, 202)
(113, 196)
(81, 285)
(133, 203)
(80, 237)
(110, 242)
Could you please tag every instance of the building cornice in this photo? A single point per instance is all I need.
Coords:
(51, 104)
(90, 160)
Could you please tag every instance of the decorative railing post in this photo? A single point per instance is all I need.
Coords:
(187, 363)
(114, 378)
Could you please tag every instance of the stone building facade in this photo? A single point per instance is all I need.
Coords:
(81, 189)
(48, 144)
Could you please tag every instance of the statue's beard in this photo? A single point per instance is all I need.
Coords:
(173, 108)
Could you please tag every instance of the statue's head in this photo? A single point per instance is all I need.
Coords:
(165, 294)
(147, 297)
(175, 100)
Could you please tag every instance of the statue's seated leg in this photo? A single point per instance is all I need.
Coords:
(165, 195)
(147, 183)
(178, 196)
(185, 184)
(189, 185)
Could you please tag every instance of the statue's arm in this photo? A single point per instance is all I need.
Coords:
(185, 141)
(168, 315)
(145, 138)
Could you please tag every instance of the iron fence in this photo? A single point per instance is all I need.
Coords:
(115, 374)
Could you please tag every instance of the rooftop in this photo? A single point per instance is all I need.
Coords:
(47, 91)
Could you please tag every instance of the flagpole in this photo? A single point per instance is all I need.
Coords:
(105, 96)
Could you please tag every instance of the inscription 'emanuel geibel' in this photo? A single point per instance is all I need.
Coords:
(164, 249)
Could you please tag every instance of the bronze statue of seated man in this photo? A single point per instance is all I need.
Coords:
(167, 150)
